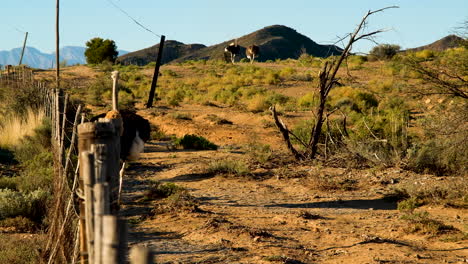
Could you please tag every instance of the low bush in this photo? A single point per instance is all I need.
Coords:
(195, 142)
(31, 205)
(409, 204)
(181, 116)
(233, 167)
(19, 224)
(9, 183)
(384, 51)
(160, 190)
(261, 153)
(421, 222)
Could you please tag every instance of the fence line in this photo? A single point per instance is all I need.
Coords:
(91, 233)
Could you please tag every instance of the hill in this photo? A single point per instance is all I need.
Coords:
(275, 42)
(172, 50)
(450, 41)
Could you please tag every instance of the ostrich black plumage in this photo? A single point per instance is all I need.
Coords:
(135, 130)
(233, 49)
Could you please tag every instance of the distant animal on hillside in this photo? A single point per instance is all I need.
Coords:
(233, 49)
(252, 52)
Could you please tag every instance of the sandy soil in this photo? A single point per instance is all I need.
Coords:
(278, 214)
(282, 212)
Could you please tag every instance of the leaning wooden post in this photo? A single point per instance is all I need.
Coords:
(156, 73)
(22, 51)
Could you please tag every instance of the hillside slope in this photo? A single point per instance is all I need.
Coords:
(172, 50)
(450, 41)
(275, 42)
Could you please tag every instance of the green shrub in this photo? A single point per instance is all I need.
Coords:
(384, 51)
(366, 101)
(9, 183)
(443, 149)
(160, 190)
(37, 173)
(302, 130)
(277, 99)
(19, 224)
(31, 205)
(21, 98)
(234, 167)
(181, 116)
(409, 204)
(259, 152)
(425, 54)
(195, 142)
(96, 90)
(308, 101)
(258, 104)
(421, 223)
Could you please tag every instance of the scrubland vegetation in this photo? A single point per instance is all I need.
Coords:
(403, 110)
(388, 109)
(26, 172)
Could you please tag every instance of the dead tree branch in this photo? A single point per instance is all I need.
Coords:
(327, 80)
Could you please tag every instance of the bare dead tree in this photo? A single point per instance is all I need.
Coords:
(327, 80)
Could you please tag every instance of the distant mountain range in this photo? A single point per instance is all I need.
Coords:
(37, 59)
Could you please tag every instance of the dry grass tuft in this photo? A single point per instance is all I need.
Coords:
(14, 127)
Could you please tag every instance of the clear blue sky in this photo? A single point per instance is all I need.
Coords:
(415, 23)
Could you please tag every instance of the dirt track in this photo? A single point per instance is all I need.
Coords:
(276, 215)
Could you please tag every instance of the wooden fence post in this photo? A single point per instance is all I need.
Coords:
(108, 133)
(87, 158)
(123, 240)
(156, 73)
(141, 255)
(110, 240)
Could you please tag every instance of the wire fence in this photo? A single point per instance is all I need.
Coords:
(82, 217)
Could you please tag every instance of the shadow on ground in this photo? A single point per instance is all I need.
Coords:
(377, 204)
(191, 177)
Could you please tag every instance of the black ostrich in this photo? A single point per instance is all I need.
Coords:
(135, 130)
(233, 49)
